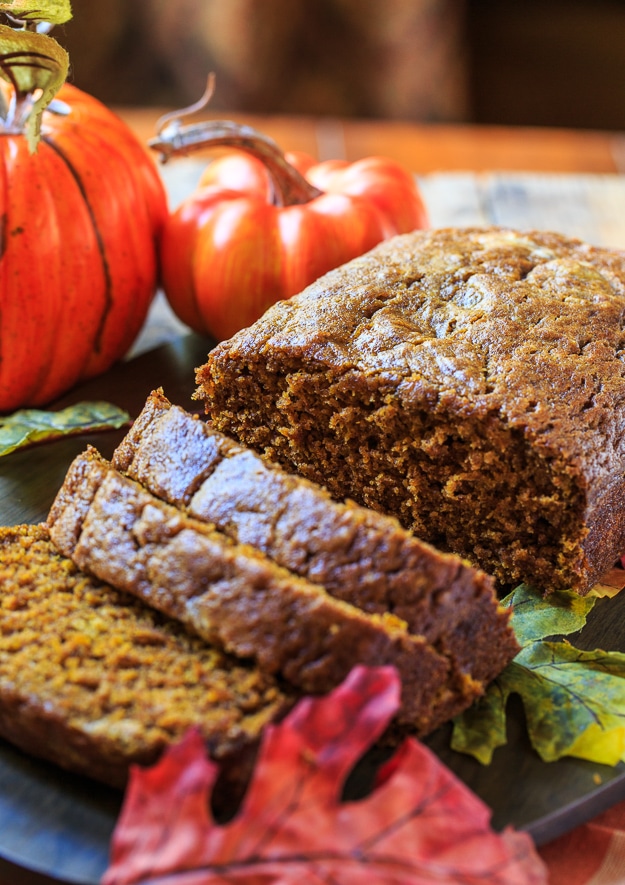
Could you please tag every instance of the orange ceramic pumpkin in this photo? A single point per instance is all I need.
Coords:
(79, 221)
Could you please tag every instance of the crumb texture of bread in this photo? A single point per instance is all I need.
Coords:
(470, 382)
(94, 681)
(358, 555)
(233, 596)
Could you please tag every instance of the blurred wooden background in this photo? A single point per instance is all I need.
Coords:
(554, 63)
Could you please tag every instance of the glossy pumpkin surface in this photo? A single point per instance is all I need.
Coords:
(79, 220)
(231, 249)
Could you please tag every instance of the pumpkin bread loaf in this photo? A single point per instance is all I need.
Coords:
(358, 555)
(469, 381)
(233, 596)
(94, 681)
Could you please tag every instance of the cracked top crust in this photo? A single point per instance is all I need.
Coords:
(527, 325)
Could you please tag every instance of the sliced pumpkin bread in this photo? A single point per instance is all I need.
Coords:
(232, 595)
(95, 681)
(358, 555)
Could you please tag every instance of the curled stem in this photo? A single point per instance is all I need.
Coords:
(174, 139)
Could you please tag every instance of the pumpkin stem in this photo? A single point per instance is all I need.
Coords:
(19, 110)
(33, 67)
(174, 140)
(174, 117)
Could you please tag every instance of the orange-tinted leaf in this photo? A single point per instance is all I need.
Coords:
(419, 825)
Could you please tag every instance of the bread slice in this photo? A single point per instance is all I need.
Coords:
(95, 681)
(233, 596)
(358, 555)
(468, 381)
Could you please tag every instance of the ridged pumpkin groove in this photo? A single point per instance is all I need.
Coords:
(97, 341)
(78, 249)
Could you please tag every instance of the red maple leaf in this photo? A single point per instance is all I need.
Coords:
(419, 824)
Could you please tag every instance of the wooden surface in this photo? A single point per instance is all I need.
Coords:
(55, 825)
(426, 148)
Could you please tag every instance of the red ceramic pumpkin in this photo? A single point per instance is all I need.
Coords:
(79, 222)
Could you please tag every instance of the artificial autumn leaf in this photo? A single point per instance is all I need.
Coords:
(480, 729)
(535, 616)
(34, 64)
(29, 426)
(574, 704)
(573, 700)
(419, 825)
(57, 12)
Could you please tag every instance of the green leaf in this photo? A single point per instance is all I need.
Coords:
(574, 701)
(482, 728)
(54, 11)
(574, 704)
(535, 616)
(565, 691)
(29, 426)
(36, 66)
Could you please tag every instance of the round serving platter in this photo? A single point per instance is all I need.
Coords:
(56, 827)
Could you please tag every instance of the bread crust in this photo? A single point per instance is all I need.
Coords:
(95, 681)
(233, 596)
(356, 554)
(469, 381)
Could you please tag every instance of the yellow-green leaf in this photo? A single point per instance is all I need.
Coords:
(29, 426)
(535, 616)
(482, 728)
(599, 745)
(565, 691)
(54, 11)
(574, 703)
(36, 66)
